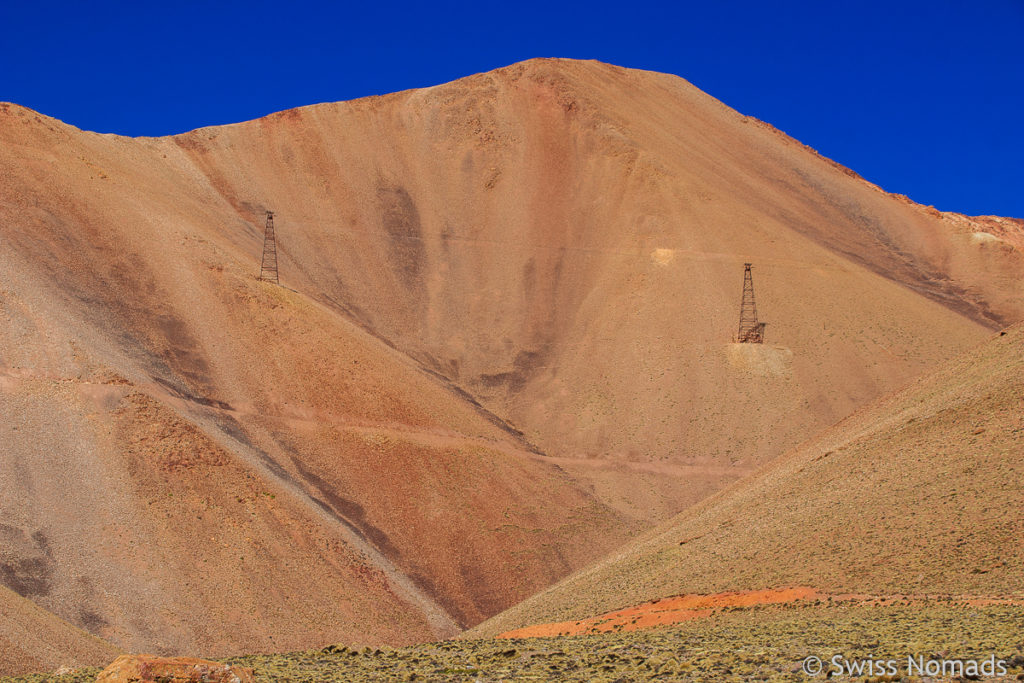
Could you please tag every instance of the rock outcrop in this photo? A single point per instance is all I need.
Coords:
(148, 668)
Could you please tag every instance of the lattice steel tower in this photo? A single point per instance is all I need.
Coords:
(268, 267)
(751, 331)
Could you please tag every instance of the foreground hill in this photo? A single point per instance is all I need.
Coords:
(917, 494)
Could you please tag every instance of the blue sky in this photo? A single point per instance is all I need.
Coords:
(923, 98)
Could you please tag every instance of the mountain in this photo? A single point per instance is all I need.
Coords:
(565, 241)
(501, 347)
(917, 494)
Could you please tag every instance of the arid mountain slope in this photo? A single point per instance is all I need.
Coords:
(186, 448)
(32, 639)
(917, 494)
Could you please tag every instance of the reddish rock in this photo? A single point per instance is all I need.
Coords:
(144, 668)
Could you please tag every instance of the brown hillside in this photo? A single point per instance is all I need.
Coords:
(555, 247)
(918, 494)
(172, 465)
(31, 639)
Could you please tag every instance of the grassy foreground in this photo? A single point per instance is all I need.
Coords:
(758, 643)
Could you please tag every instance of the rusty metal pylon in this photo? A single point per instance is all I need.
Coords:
(751, 331)
(268, 267)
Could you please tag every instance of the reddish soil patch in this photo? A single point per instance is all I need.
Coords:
(666, 611)
(686, 607)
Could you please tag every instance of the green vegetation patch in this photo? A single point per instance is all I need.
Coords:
(765, 643)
